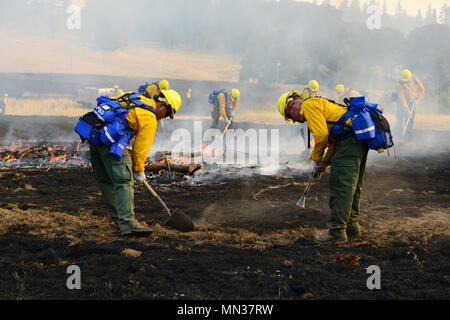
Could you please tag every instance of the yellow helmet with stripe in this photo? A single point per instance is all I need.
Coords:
(284, 100)
(235, 94)
(173, 99)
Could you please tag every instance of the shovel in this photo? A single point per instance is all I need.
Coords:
(226, 128)
(176, 219)
(301, 201)
(409, 119)
(223, 133)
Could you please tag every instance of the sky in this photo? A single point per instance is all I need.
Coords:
(411, 6)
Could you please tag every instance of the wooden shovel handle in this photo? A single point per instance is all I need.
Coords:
(154, 194)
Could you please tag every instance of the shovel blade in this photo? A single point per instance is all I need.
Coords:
(180, 221)
(301, 202)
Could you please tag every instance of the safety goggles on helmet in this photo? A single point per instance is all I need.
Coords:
(170, 110)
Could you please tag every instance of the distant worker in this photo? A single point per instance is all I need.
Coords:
(114, 166)
(116, 91)
(151, 91)
(343, 92)
(3, 103)
(188, 96)
(309, 92)
(347, 157)
(406, 94)
(154, 88)
(225, 104)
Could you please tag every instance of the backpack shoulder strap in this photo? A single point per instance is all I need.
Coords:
(132, 100)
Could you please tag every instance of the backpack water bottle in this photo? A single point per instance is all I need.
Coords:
(383, 136)
(362, 122)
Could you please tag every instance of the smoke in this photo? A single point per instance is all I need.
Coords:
(264, 48)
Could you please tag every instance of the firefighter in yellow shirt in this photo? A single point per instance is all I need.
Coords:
(225, 105)
(155, 88)
(188, 97)
(116, 91)
(3, 103)
(407, 92)
(342, 92)
(311, 91)
(346, 156)
(115, 177)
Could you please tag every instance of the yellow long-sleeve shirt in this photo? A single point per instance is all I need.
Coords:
(144, 125)
(410, 91)
(153, 90)
(307, 93)
(316, 112)
(226, 102)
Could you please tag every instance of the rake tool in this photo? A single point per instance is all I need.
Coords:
(226, 128)
(301, 201)
(223, 133)
(176, 219)
(408, 121)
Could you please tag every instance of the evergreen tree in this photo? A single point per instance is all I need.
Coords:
(399, 11)
(343, 5)
(430, 18)
(355, 9)
(385, 11)
(444, 15)
(447, 15)
(419, 18)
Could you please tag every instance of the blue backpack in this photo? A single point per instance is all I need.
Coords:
(141, 89)
(107, 125)
(368, 124)
(212, 98)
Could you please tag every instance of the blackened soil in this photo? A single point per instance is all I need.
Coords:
(243, 248)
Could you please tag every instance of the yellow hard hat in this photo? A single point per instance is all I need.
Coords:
(340, 89)
(173, 99)
(6, 94)
(116, 86)
(189, 90)
(313, 85)
(235, 94)
(406, 75)
(283, 101)
(163, 85)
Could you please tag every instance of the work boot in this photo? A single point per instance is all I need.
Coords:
(329, 237)
(354, 231)
(137, 230)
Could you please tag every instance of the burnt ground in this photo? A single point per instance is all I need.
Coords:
(242, 248)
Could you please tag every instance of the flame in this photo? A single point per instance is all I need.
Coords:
(29, 151)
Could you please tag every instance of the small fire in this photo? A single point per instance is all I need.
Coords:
(31, 153)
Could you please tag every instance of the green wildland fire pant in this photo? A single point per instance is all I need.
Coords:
(348, 166)
(115, 180)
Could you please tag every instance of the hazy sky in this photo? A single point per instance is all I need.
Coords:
(411, 6)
